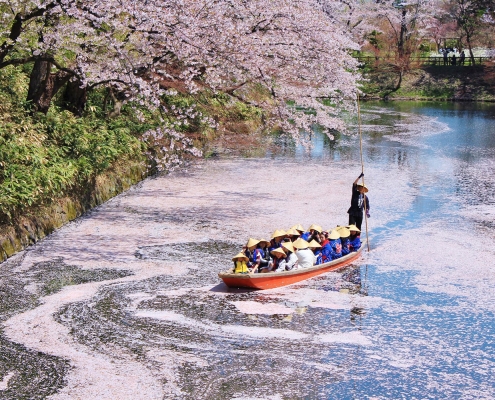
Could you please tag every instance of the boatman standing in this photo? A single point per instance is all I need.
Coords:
(359, 203)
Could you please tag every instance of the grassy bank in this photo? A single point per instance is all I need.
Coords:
(452, 83)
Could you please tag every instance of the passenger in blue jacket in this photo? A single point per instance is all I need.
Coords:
(326, 249)
(354, 238)
(335, 244)
(315, 247)
(344, 239)
(312, 233)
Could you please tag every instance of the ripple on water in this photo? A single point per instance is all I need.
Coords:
(412, 319)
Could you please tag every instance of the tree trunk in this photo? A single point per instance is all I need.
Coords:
(403, 31)
(75, 97)
(43, 85)
(468, 41)
(117, 103)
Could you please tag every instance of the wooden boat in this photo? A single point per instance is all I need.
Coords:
(272, 280)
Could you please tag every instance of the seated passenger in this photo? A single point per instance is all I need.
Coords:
(290, 261)
(276, 240)
(354, 238)
(265, 254)
(278, 258)
(344, 239)
(335, 244)
(305, 257)
(240, 264)
(313, 232)
(298, 228)
(326, 249)
(293, 234)
(315, 247)
(253, 255)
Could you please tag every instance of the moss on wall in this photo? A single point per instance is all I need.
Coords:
(42, 221)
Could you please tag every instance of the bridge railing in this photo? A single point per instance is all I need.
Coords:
(427, 61)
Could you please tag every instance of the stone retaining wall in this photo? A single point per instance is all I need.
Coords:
(45, 219)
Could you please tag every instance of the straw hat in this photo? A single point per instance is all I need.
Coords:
(278, 251)
(278, 233)
(300, 244)
(334, 235)
(252, 242)
(265, 241)
(353, 228)
(240, 256)
(344, 232)
(293, 231)
(288, 246)
(363, 186)
(317, 228)
(298, 227)
(314, 244)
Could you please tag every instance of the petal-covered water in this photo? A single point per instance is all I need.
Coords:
(125, 303)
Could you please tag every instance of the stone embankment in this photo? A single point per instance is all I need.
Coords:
(44, 220)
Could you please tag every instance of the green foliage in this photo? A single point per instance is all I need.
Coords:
(43, 157)
(425, 49)
(374, 39)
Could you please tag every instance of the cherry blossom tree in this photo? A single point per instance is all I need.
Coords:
(298, 49)
(471, 16)
(404, 23)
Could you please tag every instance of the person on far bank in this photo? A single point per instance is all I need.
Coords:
(359, 201)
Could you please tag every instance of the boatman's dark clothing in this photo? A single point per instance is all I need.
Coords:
(357, 206)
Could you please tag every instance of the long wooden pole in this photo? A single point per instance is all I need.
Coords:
(362, 169)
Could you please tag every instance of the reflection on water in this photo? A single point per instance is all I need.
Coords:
(414, 318)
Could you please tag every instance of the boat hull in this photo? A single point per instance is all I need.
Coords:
(272, 280)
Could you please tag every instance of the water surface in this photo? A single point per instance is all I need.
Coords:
(414, 318)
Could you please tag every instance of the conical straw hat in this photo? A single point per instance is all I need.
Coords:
(252, 242)
(265, 241)
(288, 246)
(334, 235)
(317, 228)
(353, 228)
(240, 256)
(293, 231)
(363, 186)
(278, 233)
(314, 244)
(298, 227)
(278, 251)
(300, 244)
(344, 232)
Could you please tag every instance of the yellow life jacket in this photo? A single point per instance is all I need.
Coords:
(240, 267)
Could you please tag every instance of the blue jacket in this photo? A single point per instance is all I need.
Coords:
(319, 258)
(273, 247)
(346, 246)
(355, 242)
(256, 252)
(305, 235)
(336, 248)
(326, 253)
